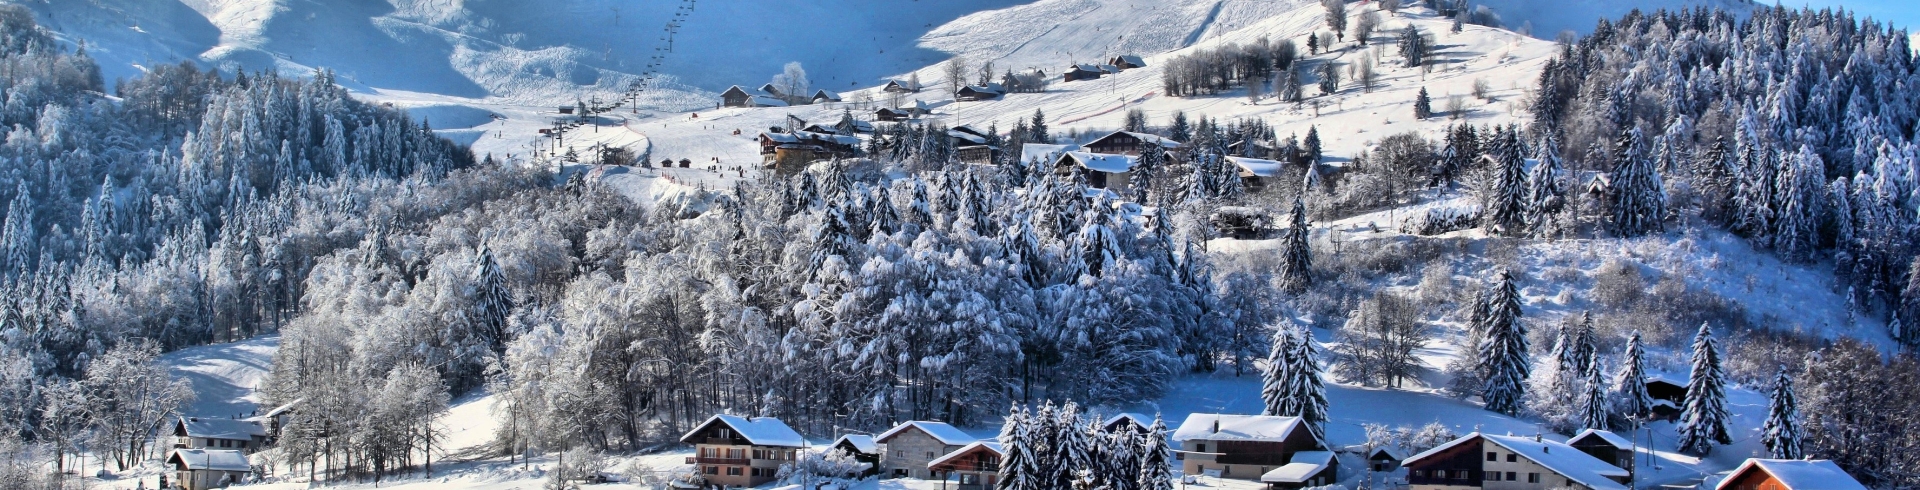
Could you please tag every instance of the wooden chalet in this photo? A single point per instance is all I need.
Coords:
(896, 87)
(197, 469)
(861, 448)
(1079, 72)
(1383, 459)
(1605, 446)
(790, 152)
(1510, 462)
(975, 466)
(1130, 143)
(1127, 62)
(1127, 421)
(890, 115)
(1304, 469)
(980, 92)
(734, 451)
(1789, 474)
(736, 97)
(849, 125)
(214, 433)
(1668, 396)
(910, 447)
(1102, 170)
(1255, 172)
(823, 96)
(1243, 447)
(772, 90)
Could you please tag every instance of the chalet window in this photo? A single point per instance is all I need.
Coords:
(1513, 457)
(969, 479)
(726, 433)
(1200, 448)
(1493, 456)
(733, 471)
(713, 470)
(1533, 478)
(1511, 476)
(1493, 476)
(929, 454)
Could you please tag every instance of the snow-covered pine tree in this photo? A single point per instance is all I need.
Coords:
(1037, 130)
(1307, 395)
(1506, 205)
(1069, 446)
(1557, 395)
(1585, 350)
(1296, 263)
(1422, 105)
(1180, 130)
(1799, 200)
(1630, 396)
(1593, 406)
(1636, 203)
(495, 302)
(1156, 459)
(1503, 355)
(1312, 144)
(1278, 372)
(1017, 465)
(1703, 419)
(1781, 432)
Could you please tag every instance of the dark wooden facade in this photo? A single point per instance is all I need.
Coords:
(1118, 143)
(1457, 465)
(726, 459)
(736, 97)
(976, 467)
(1081, 72)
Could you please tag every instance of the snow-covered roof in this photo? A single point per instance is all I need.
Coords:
(1664, 379)
(210, 459)
(1110, 68)
(828, 137)
(1044, 152)
(1611, 438)
(862, 442)
(285, 408)
(969, 137)
(1132, 60)
(970, 447)
(222, 428)
(780, 137)
(735, 88)
(1799, 474)
(1257, 167)
(1225, 427)
(1566, 461)
(1138, 419)
(760, 431)
(1388, 452)
(826, 94)
(765, 101)
(1087, 67)
(1304, 465)
(946, 434)
(1144, 137)
(1101, 162)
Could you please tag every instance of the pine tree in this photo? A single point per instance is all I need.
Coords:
(1329, 77)
(1636, 204)
(1422, 105)
(1017, 464)
(1781, 432)
(1037, 130)
(1180, 130)
(1799, 198)
(1630, 383)
(1312, 144)
(1296, 267)
(1507, 204)
(1156, 461)
(1307, 394)
(1279, 368)
(1703, 419)
(1593, 406)
(494, 303)
(1585, 351)
(1070, 447)
(1313, 43)
(1503, 355)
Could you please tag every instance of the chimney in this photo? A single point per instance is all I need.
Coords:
(1216, 426)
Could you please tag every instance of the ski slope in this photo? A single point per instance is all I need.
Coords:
(224, 376)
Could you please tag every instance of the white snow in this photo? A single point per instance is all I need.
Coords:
(1802, 474)
(1102, 162)
(214, 459)
(1257, 166)
(1611, 438)
(1304, 465)
(940, 431)
(862, 442)
(222, 428)
(761, 431)
(224, 376)
(1229, 427)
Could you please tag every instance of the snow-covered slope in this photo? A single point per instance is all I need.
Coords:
(224, 376)
(1548, 19)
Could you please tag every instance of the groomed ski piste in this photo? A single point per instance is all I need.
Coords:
(499, 100)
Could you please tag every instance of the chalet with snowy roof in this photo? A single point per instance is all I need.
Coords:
(1127, 62)
(975, 466)
(772, 90)
(1383, 459)
(734, 451)
(1079, 72)
(1244, 447)
(920, 108)
(898, 87)
(1127, 421)
(849, 125)
(766, 101)
(1789, 474)
(1305, 469)
(736, 97)
(197, 469)
(216, 433)
(1255, 172)
(1668, 396)
(1605, 446)
(824, 96)
(1129, 143)
(979, 92)
(790, 152)
(1510, 462)
(861, 448)
(890, 115)
(1044, 153)
(971, 146)
(911, 446)
(1102, 170)
(1108, 69)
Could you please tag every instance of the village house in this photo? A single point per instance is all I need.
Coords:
(1789, 474)
(975, 466)
(1127, 421)
(911, 446)
(1130, 143)
(1241, 446)
(898, 87)
(1254, 172)
(1305, 469)
(1042, 153)
(1668, 395)
(979, 92)
(861, 448)
(1496, 462)
(736, 97)
(823, 96)
(734, 451)
(1127, 62)
(792, 151)
(1605, 446)
(889, 115)
(1383, 459)
(971, 145)
(849, 125)
(212, 433)
(197, 469)
(1079, 72)
(1102, 170)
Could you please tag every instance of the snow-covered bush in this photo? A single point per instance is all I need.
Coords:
(1442, 219)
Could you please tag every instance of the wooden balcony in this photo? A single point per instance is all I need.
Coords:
(722, 461)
